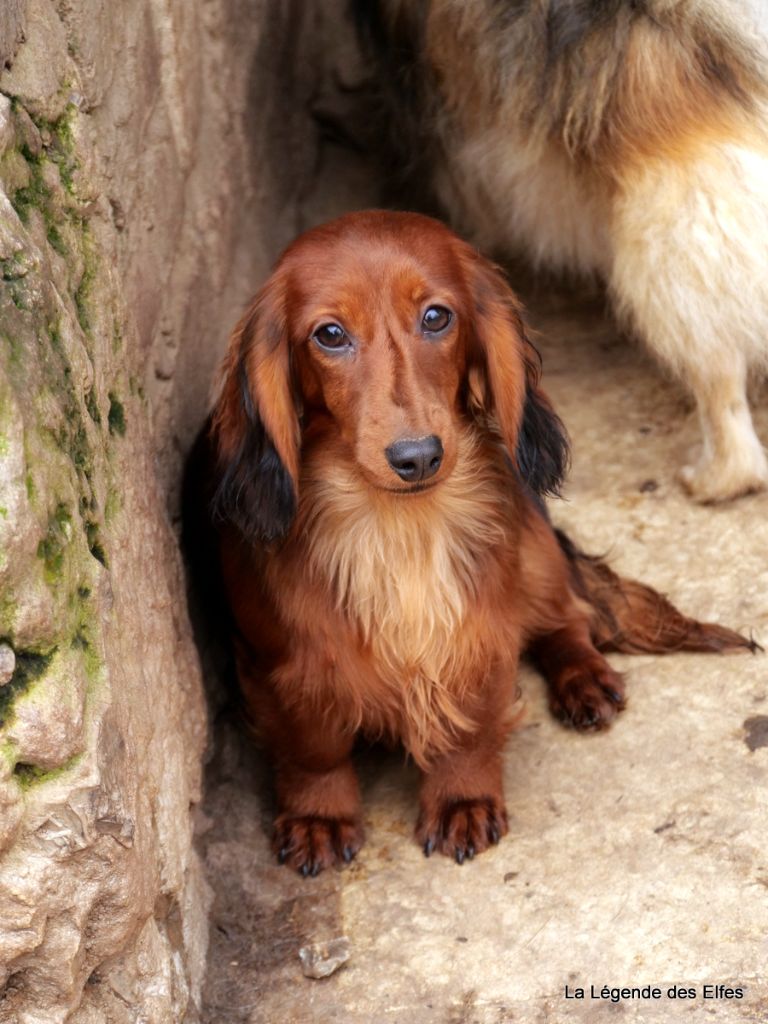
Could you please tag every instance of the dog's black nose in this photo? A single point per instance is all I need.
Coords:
(415, 460)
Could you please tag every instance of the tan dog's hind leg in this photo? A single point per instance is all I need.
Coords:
(689, 236)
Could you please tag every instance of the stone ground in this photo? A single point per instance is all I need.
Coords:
(635, 857)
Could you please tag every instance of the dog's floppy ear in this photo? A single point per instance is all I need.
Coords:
(543, 451)
(504, 370)
(255, 424)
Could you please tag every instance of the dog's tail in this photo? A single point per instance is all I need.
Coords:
(633, 618)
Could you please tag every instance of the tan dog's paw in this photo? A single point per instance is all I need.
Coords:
(713, 480)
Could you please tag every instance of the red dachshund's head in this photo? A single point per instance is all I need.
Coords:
(388, 333)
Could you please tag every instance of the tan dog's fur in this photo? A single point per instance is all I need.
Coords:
(627, 139)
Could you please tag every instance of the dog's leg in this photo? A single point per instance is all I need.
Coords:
(732, 460)
(319, 804)
(318, 798)
(584, 691)
(462, 808)
(689, 256)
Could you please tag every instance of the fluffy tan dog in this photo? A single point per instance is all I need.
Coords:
(623, 137)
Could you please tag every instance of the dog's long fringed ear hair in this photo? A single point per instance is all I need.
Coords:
(504, 371)
(255, 424)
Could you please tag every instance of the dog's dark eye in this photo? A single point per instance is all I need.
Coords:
(436, 319)
(331, 336)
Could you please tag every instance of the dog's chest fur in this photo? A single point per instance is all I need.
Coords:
(405, 572)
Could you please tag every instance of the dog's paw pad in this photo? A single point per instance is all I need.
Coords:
(308, 844)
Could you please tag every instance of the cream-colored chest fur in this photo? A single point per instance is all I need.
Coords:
(405, 573)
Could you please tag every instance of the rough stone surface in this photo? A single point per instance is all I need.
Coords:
(7, 664)
(40, 85)
(634, 857)
(11, 28)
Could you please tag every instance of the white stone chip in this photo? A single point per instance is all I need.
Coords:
(7, 664)
(321, 959)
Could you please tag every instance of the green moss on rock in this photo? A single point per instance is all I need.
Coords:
(30, 665)
(36, 195)
(72, 435)
(14, 347)
(28, 775)
(95, 545)
(52, 547)
(13, 267)
(80, 425)
(92, 405)
(55, 240)
(83, 291)
(116, 417)
(113, 505)
(60, 144)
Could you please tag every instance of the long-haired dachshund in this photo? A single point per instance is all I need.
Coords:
(626, 138)
(377, 459)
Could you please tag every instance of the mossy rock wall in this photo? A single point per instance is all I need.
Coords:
(101, 720)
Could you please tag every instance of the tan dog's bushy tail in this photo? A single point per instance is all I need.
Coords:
(633, 618)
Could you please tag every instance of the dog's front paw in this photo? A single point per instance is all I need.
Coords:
(308, 844)
(462, 828)
(588, 699)
(713, 480)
